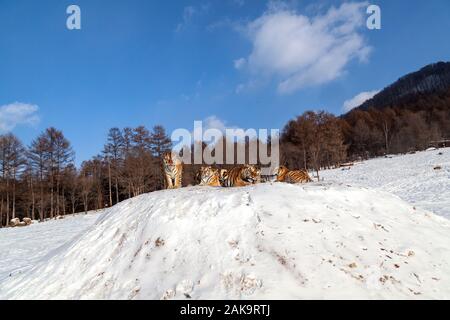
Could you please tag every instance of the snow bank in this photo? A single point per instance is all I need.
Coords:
(23, 248)
(412, 177)
(269, 241)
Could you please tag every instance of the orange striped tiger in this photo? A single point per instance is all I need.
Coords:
(173, 170)
(240, 176)
(209, 177)
(295, 176)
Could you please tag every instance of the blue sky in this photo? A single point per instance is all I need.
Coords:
(246, 63)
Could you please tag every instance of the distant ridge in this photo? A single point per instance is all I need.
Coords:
(432, 79)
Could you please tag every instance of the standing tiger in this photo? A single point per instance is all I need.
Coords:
(294, 176)
(173, 170)
(209, 177)
(240, 176)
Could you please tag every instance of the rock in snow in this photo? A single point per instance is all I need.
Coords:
(268, 241)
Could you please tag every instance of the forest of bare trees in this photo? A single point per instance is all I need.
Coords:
(41, 181)
(317, 140)
(375, 132)
(312, 141)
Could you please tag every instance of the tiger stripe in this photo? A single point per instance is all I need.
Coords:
(240, 176)
(294, 176)
(173, 171)
(209, 177)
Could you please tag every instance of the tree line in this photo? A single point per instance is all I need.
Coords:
(316, 140)
(41, 181)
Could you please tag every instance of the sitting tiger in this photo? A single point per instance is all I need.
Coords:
(173, 170)
(240, 176)
(208, 176)
(294, 176)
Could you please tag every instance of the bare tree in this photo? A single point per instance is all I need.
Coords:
(11, 162)
(60, 156)
(159, 144)
(113, 151)
(37, 157)
(86, 183)
(159, 141)
(29, 193)
(72, 188)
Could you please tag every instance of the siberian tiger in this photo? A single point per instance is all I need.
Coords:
(240, 176)
(295, 176)
(209, 177)
(173, 170)
(268, 178)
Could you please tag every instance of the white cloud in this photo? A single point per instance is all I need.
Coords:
(250, 85)
(299, 51)
(213, 122)
(189, 13)
(358, 100)
(14, 114)
(240, 87)
(239, 63)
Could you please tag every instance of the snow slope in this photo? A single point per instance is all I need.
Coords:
(412, 177)
(269, 241)
(22, 248)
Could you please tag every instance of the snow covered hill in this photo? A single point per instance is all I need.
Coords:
(412, 177)
(269, 241)
(23, 248)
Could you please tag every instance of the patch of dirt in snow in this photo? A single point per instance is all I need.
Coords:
(269, 241)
